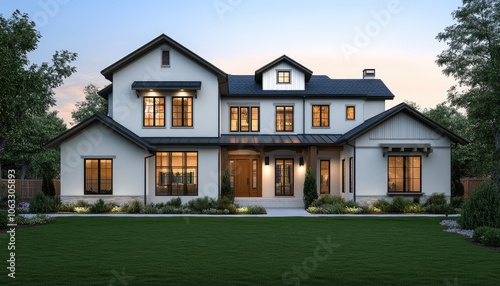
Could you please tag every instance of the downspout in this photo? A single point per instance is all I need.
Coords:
(145, 176)
(354, 170)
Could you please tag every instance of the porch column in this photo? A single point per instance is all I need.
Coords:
(224, 157)
(311, 158)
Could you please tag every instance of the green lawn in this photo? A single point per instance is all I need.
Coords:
(247, 251)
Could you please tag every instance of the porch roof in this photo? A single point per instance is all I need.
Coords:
(279, 140)
(184, 141)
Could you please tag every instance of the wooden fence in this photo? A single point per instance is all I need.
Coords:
(470, 184)
(28, 188)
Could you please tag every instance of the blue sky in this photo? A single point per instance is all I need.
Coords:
(338, 38)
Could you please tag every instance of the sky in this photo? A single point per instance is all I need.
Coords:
(337, 38)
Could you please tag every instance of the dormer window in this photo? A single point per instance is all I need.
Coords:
(283, 76)
(165, 58)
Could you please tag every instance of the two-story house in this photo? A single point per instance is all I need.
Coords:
(176, 123)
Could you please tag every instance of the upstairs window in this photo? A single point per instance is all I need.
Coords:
(321, 115)
(165, 58)
(350, 113)
(284, 118)
(154, 112)
(182, 111)
(283, 76)
(244, 119)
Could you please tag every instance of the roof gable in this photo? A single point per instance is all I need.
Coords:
(376, 120)
(307, 72)
(155, 43)
(106, 121)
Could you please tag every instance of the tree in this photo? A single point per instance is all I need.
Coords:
(310, 188)
(92, 104)
(26, 153)
(226, 190)
(27, 89)
(473, 59)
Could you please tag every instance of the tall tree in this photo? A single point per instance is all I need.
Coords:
(92, 104)
(473, 59)
(27, 89)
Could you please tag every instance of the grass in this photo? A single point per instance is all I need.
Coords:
(247, 251)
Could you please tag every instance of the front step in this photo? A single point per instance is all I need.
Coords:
(271, 202)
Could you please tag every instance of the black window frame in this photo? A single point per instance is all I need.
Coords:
(284, 118)
(250, 114)
(168, 189)
(99, 179)
(154, 112)
(281, 192)
(404, 176)
(278, 77)
(321, 115)
(183, 106)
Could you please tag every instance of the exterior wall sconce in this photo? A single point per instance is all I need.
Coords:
(301, 162)
(266, 161)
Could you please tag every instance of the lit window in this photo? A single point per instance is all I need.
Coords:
(404, 174)
(165, 58)
(244, 119)
(283, 76)
(350, 113)
(98, 177)
(154, 111)
(284, 118)
(325, 176)
(321, 115)
(284, 177)
(182, 111)
(177, 173)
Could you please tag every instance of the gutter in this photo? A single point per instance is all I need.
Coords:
(145, 176)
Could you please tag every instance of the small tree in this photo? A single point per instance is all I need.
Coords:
(226, 187)
(310, 188)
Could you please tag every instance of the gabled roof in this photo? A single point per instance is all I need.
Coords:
(386, 115)
(155, 43)
(108, 122)
(284, 58)
(106, 91)
(319, 85)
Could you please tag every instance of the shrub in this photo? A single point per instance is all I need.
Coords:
(175, 202)
(226, 190)
(223, 203)
(48, 187)
(41, 203)
(332, 209)
(436, 199)
(353, 210)
(440, 209)
(370, 209)
(399, 204)
(117, 209)
(413, 209)
(382, 205)
(313, 210)
(488, 236)
(351, 204)
(66, 208)
(101, 207)
(310, 189)
(23, 208)
(326, 199)
(82, 203)
(82, 210)
(251, 210)
(135, 207)
(150, 209)
(199, 204)
(167, 209)
(159, 205)
(481, 208)
(457, 202)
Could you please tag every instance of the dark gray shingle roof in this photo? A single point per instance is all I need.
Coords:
(319, 85)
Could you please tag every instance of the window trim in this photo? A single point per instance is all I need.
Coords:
(169, 168)
(154, 112)
(351, 174)
(343, 175)
(329, 176)
(320, 115)
(292, 185)
(354, 112)
(278, 76)
(163, 52)
(99, 193)
(284, 117)
(182, 112)
(404, 175)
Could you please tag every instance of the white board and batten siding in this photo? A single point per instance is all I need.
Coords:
(270, 81)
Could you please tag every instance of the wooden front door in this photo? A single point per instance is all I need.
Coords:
(245, 173)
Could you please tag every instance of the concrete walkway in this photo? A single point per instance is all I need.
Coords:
(271, 212)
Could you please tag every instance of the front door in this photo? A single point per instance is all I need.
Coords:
(245, 175)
